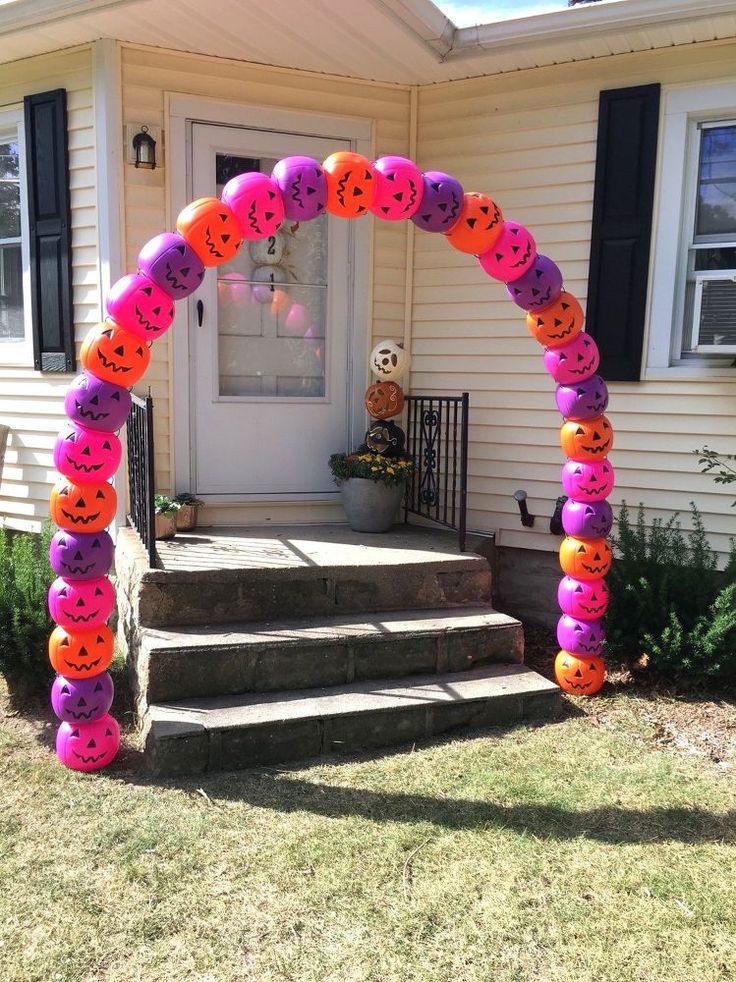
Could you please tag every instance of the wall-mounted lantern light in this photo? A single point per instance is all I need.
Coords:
(145, 149)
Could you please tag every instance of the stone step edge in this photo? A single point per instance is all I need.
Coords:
(334, 629)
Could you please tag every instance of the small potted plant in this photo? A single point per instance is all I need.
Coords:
(371, 486)
(188, 513)
(165, 509)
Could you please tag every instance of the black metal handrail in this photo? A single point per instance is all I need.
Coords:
(142, 515)
(437, 439)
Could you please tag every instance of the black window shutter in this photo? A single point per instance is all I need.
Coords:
(47, 169)
(628, 120)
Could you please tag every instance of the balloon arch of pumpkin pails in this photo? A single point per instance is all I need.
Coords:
(140, 308)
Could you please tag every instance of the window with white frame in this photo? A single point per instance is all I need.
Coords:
(14, 265)
(692, 320)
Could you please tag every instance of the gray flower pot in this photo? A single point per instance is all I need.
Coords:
(370, 506)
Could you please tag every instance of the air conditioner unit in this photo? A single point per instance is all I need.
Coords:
(714, 312)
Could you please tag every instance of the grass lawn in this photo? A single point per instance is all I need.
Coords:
(573, 851)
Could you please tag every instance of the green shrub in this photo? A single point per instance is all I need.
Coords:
(25, 576)
(669, 601)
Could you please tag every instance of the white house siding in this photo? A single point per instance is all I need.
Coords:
(149, 73)
(31, 403)
(529, 139)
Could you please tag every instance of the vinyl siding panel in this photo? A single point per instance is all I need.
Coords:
(32, 404)
(150, 73)
(530, 141)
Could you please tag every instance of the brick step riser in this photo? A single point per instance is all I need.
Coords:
(238, 748)
(169, 675)
(224, 597)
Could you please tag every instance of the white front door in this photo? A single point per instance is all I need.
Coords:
(270, 338)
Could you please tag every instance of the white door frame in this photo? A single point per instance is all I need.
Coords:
(182, 110)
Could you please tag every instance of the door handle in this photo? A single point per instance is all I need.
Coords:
(200, 313)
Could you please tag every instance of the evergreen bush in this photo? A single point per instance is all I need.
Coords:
(25, 576)
(669, 602)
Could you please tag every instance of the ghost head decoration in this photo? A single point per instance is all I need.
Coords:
(88, 746)
(141, 307)
(580, 637)
(479, 226)
(579, 676)
(210, 228)
(115, 355)
(587, 519)
(385, 438)
(257, 204)
(441, 202)
(574, 362)
(303, 188)
(399, 188)
(86, 456)
(540, 286)
(590, 480)
(266, 279)
(586, 439)
(587, 600)
(585, 559)
(81, 605)
(82, 700)
(582, 400)
(558, 323)
(351, 184)
(82, 507)
(389, 361)
(384, 399)
(511, 254)
(81, 654)
(172, 264)
(81, 555)
(96, 404)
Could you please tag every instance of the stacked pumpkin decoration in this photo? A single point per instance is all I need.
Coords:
(384, 399)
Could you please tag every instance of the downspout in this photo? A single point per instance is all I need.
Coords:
(410, 230)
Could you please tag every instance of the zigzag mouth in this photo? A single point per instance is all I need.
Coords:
(111, 364)
(564, 333)
(174, 280)
(296, 190)
(92, 759)
(590, 648)
(208, 241)
(88, 414)
(86, 468)
(143, 321)
(600, 531)
(455, 208)
(593, 491)
(79, 570)
(580, 685)
(592, 610)
(584, 370)
(80, 618)
(598, 450)
(413, 195)
(593, 569)
(80, 519)
(83, 666)
(80, 715)
(543, 300)
(524, 259)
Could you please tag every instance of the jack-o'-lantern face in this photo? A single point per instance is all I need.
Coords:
(172, 264)
(590, 480)
(141, 307)
(585, 559)
(582, 400)
(399, 188)
(351, 184)
(586, 439)
(96, 404)
(558, 323)
(82, 700)
(210, 228)
(80, 605)
(580, 637)
(88, 746)
(81, 555)
(587, 520)
(303, 187)
(385, 438)
(255, 201)
(86, 456)
(389, 361)
(384, 399)
(114, 354)
(81, 654)
(442, 201)
(82, 507)
(511, 254)
(574, 362)
(585, 600)
(479, 225)
(540, 286)
(579, 676)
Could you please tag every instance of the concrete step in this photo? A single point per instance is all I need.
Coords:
(256, 576)
(228, 733)
(195, 662)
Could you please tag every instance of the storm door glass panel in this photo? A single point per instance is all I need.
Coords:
(12, 327)
(271, 306)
